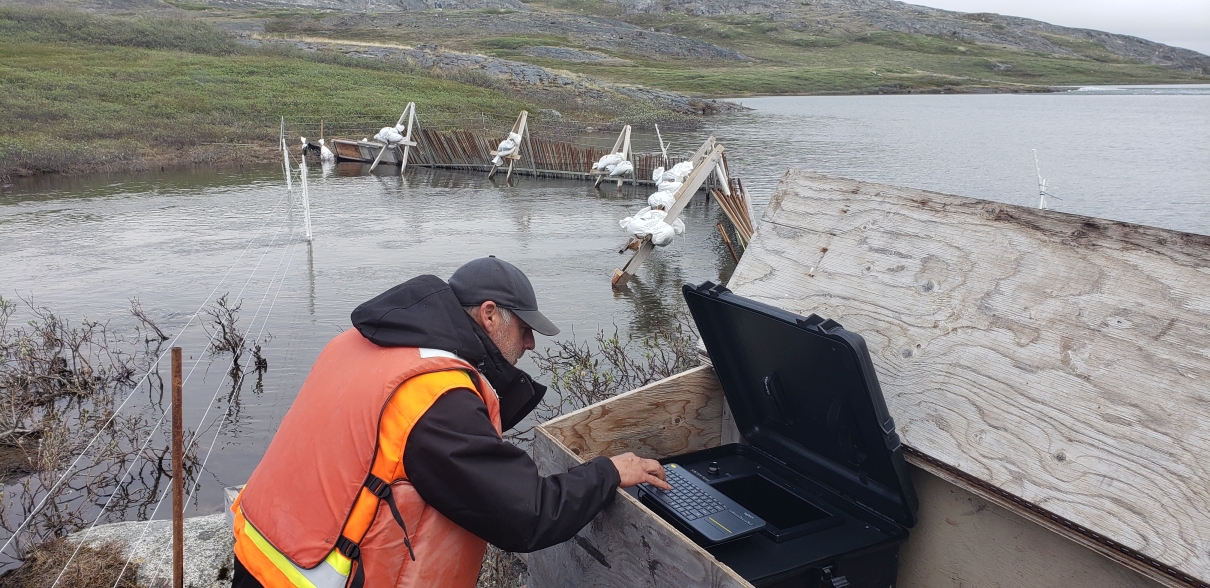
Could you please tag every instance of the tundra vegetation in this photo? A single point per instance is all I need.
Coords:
(84, 92)
(119, 89)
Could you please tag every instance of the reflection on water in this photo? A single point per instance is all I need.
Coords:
(1137, 154)
(173, 240)
(84, 246)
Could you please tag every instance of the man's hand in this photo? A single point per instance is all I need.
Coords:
(635, 470)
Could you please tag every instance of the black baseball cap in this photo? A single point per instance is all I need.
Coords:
(488, 278)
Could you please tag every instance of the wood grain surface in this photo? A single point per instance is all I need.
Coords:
(627, 545)
(676, 415)
(1064, 359)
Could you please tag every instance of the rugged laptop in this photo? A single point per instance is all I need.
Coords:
(702, 508)
(821, 463)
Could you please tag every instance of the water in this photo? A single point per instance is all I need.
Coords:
(84, 246)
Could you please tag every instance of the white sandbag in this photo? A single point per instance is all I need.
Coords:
(651, 222)
(388, 135)
(506, 147)
(657, 174)
(608, 160)
(669, 186)
(681, 170)
(325, 154)
(661, 199)
(622, 168)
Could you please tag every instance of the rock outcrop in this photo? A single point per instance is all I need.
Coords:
(209, 545)
(514, 73)
(827, 17)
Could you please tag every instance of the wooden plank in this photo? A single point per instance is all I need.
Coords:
(684, 194)
(673, 416)
(1060, 358)
(627, 545)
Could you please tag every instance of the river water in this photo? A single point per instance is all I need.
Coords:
(85, 246)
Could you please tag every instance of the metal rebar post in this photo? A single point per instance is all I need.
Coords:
(178, 478)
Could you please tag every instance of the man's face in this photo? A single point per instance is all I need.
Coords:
(513, 338)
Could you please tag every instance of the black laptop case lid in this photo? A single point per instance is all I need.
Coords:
(803, 390)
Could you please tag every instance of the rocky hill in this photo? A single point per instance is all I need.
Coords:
(827, 18)
(830, 17)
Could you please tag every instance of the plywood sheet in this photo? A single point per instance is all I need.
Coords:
(1063, 359)
(626, 545)
(676, 415)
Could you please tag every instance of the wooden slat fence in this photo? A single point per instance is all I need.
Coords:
(540, 157)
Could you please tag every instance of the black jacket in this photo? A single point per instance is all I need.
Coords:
(453, 456)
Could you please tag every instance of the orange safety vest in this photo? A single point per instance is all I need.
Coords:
(311, 514)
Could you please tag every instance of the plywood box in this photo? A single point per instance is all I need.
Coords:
(962, 539)
(1047, 371)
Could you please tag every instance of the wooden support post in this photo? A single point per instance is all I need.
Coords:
(727, 240)
(409, 113)
(520, 128)
(620, 147)
(683, 195)
(381, 152)
(178, 476)
(408, 143)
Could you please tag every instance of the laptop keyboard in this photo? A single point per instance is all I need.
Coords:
(687, 499)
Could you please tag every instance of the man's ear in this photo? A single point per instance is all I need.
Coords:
(488, 313)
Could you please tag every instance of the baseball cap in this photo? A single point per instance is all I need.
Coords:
(488, 278)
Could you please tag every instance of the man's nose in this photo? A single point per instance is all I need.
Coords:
(529, 339)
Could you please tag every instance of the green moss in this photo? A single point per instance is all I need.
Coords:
(63, 26)
(919, 43)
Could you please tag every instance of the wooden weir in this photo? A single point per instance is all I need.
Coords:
(542, 157)
(1047, 373)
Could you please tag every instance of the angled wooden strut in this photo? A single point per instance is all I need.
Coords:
(703, 165)
(409, 113)
(519, 128)
(621, 146)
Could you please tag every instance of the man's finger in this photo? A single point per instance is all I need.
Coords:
(658, 482)
(654, 468)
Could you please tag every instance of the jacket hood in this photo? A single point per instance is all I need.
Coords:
(423, 312)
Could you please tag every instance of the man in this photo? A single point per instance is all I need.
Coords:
(389, 469)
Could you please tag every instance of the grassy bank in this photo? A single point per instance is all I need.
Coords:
(83, 93)
(86, 93)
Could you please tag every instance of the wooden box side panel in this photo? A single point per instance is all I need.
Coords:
(1063, 359)
(964, 540)
(676, 415)
(624, 546)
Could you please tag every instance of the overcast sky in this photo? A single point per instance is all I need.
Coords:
(1181, 23)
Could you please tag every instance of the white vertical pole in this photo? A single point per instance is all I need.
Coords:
(1041, 182)
(285, 154)
(663, 148)
(302, 169)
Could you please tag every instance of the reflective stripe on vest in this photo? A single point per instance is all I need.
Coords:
(332, 573)
(409, 402)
